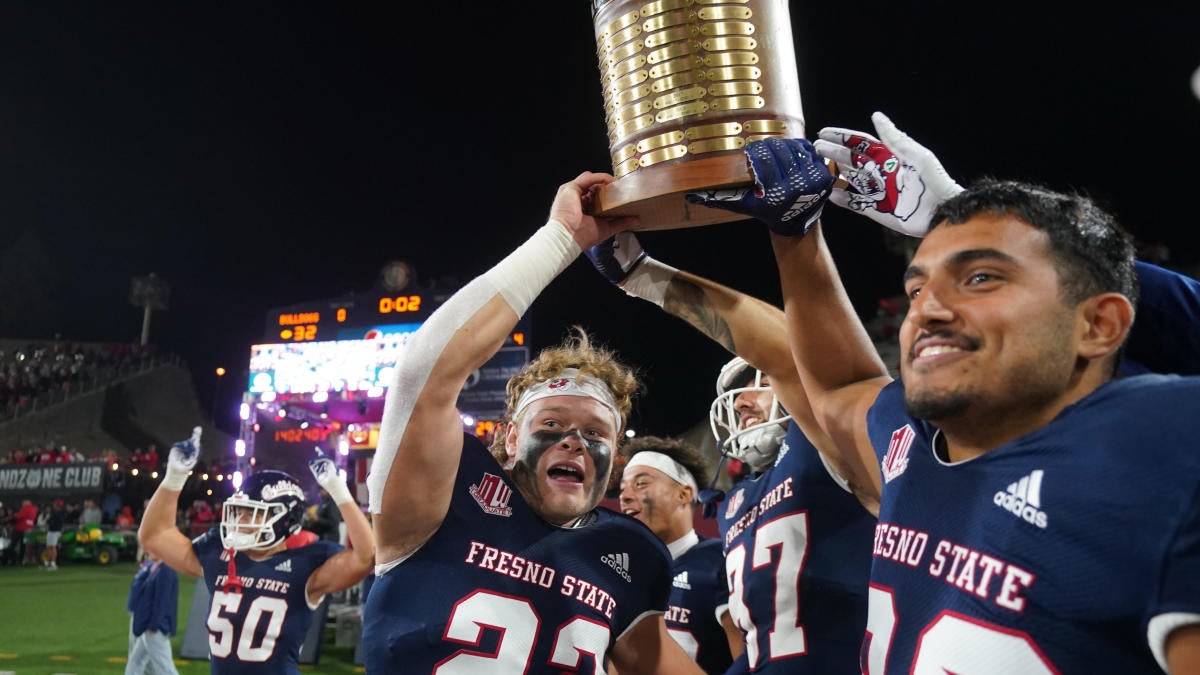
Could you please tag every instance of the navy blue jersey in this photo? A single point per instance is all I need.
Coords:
(797, 554)
(698, 592)
(1064, 551)
(259, 630)
(496, 589)
(1165, 337)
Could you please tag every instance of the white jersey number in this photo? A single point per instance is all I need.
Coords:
(222, 634)
(518, 624)
(951, 643)
(781, 545)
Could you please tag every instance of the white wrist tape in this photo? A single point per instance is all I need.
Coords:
(173, 479)
(525, 272)
(649, 280)
(339, 492)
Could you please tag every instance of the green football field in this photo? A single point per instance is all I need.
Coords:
(73, 620)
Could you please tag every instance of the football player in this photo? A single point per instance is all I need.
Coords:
(264, 578)
(502, 563)
(1037, 514)
(797, 542)
(660, 486)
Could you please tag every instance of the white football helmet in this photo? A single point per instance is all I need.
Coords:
(266, 510)
(757, 444)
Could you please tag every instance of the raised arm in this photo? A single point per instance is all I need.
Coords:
(352, 565)
(1165, 337)
(158, 533)
(746, 326)
(892, 179)
(414, 466)
(839, 366)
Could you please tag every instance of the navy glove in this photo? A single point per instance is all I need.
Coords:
(621, 260)
(791, 186)
(616, 257)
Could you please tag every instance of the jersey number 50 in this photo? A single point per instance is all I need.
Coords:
(222, 632)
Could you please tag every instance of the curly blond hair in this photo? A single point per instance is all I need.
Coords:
(576, 351)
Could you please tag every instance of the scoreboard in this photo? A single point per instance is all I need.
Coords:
(353, 342)
(350, 317)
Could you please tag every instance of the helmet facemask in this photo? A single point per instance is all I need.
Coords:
(756, 445)
(249, 525)
(263, 513)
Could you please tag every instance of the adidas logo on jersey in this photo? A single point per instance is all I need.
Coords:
(1024, 499)
(681, 581)
(285, 566)
(619, 562)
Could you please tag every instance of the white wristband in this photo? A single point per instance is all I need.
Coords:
(339, 492)
(649, 280)
(173, 479)
(533, 265)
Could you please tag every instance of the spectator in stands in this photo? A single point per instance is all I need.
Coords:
(200, 518)
(125, 521)
(136, 459)
(108, 456)
(110, 506)
(327, 520)
(91, 514)
(150, 457)
(73, 514)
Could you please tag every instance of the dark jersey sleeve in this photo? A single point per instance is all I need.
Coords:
(1166, 330)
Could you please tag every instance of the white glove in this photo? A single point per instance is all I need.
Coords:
(895, 181)
(180, 461)
(326, 473)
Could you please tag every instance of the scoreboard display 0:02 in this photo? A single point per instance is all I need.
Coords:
(323, 321)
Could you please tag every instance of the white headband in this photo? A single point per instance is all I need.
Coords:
(570, 382)
(674, 470)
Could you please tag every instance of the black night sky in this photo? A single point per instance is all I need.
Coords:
(261, 154)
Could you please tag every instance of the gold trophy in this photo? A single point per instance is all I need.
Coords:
(687, 84)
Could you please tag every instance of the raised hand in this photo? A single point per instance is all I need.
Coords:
(184, 454)
(572, 206)
(791, 185)
(180, 461)
(892, 179)
(326, 473)
(323, 469)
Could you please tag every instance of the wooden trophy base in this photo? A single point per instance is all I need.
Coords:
(656, 194)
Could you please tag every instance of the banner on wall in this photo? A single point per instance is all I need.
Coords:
(71, 478)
